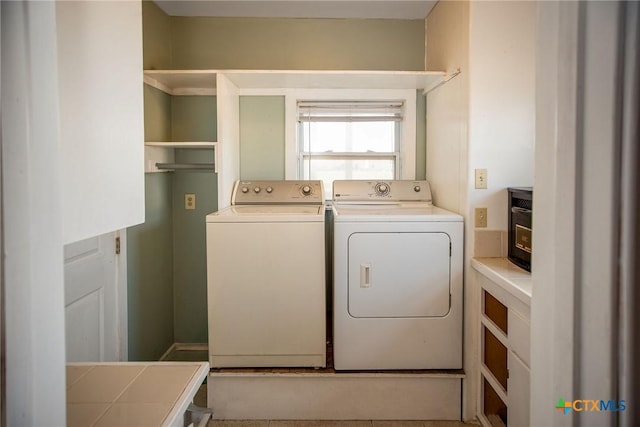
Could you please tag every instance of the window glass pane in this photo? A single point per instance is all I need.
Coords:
(328, 170)
(349, 136)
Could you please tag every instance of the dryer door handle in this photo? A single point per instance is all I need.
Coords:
(365, 275)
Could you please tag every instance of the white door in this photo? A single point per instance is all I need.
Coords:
(91, 300)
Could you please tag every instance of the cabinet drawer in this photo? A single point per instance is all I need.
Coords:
(495, 310)
(519, 336)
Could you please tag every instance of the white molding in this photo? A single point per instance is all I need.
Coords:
(121, 297)
(408, 135)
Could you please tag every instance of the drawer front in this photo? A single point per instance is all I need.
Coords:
(520, 336)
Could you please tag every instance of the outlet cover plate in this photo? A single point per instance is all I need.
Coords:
(480, 218)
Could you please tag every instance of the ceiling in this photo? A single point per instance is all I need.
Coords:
(371, 9)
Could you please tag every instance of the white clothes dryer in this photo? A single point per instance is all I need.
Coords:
(266, 276)
(398, 263)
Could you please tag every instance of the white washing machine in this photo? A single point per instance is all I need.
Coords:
(397, 278)
(266, 276)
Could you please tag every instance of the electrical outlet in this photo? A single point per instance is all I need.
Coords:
(189, 201)
(481, 217)
(481, 178)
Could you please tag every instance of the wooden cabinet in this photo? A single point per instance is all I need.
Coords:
(504, 357)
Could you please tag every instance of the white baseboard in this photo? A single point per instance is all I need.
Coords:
(181, 346)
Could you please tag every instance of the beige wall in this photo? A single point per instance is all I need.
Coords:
(297, 44)
(447, 48)
(483, 118)
(156, 37)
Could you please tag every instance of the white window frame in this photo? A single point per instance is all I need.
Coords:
(407, 164)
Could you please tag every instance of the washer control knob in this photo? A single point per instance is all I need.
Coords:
(306, 190)
(256, 190)
(416, 188)
(245, 190)
(383, 188)
(269, 190)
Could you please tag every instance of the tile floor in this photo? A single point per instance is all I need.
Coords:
(297, 423)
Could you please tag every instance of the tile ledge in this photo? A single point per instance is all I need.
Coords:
(508, 276)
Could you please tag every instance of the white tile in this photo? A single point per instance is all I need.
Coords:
(102, 384)
(134, 414)
(84, 414)
(487, 244)
(75, 372)
(159, 384)
(505, 244)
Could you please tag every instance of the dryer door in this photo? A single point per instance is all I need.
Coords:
(399, 275)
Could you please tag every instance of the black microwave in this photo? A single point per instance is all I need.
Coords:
(520, 216)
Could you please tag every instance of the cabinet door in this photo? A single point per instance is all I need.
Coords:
(518, 394)
(101, 116)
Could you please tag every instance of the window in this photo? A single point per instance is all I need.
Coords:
(349, 140)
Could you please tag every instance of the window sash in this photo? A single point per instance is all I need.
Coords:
(350, 111)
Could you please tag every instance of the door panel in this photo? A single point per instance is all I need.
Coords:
(518, 386)
(90, 300)
(399, 275)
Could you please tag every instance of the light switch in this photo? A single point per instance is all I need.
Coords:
(189, 201)
(481, 178)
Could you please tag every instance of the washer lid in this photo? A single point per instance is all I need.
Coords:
(410, 212)
(269, 213)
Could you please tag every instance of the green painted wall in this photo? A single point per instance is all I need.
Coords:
(150, 245)
(166, 254)
(297, 44)
(193, 118)
(262, 137)
(150, 273)
(156, 37)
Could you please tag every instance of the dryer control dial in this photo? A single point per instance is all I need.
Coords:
(417, 188)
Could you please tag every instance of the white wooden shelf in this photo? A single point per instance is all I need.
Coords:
(203, 82)
(201, 144)
(182, 82)
(159, 156)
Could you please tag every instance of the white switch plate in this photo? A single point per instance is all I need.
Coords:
(189, 201)
(481, 178)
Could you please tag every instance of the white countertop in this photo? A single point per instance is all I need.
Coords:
(128, 394)
(509, 276)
